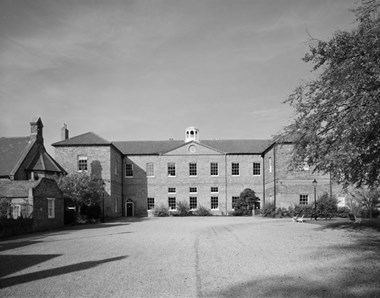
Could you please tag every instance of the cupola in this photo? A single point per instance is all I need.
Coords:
(192, 134)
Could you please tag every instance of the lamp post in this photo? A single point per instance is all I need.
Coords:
(315, 198)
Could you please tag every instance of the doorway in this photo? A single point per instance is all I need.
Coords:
(129, 208)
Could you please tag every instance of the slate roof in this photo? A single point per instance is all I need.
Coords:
(16, 189)
(46, 163)
(86, 139)
(11, 151)
(160, 147)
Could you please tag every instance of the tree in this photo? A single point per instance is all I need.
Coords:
(367, 200)
(327, 206)
(80, 190)
(337, 114)
(246, 202)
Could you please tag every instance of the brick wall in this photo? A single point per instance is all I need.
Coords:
(47, 188)
(140, 186)
(101, 163)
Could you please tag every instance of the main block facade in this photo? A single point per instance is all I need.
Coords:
(140, 175)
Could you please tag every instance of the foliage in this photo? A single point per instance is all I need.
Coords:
(327, 206)
(202, 211)
(80, 190)
(183, 208)
(268, 210)
(245, 203)
(91, 212)
(337, 115)
(366, 202)
(5, 207)
(343, 212)
(161, 211)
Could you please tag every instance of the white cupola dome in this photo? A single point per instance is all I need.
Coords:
(192, 134)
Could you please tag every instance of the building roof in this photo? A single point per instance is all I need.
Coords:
(86, 139)
(46, 163)
(11, 151)
(16, 189)
(160, 147)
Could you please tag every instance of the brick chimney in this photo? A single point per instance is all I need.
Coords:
(64, 132)
(36, 129)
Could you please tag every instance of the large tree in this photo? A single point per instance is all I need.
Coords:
(80, 190)
(337, 114)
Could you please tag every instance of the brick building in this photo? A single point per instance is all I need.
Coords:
(140, 175)
(26, 179)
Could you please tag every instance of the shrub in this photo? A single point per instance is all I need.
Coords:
(91, 212)
(245, 203)
(343, 212)
(202, 211)
(161, 211)
(268, 210)
(5, 207)
(183, 208)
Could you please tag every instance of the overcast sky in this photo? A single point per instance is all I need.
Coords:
(145, 70)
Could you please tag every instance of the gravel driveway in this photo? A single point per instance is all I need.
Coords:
(193, 257)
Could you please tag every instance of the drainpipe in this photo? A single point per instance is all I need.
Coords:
(274, 176)
(226, 182)
(263, 203)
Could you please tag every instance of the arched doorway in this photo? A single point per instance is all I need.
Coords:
(129, 208)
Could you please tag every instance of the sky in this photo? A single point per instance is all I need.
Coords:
(146, 70)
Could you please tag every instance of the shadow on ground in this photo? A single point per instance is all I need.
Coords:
(366, 224)
(28, 277)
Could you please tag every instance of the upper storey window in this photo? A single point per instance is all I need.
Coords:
(82, 163)
(192, 169)
(128, 170)
(214, 169)
(150, 169)
(235, 169)
(256, 169)
(171, 169)
(270, 164)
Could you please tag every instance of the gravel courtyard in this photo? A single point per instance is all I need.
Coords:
(194, 257)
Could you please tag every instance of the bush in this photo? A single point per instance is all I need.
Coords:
(268, 210)
(183, 208)
(91, 212)
(161, 211)
(5, 207)
(202, 211)
(343, 212)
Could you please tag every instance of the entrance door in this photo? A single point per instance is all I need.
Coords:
(129, 209)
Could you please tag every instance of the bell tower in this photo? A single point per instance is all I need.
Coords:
(192, 134)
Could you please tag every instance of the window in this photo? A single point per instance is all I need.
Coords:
(16, 211)
(192, 169)
(117, 168)
(214, 203)
(171, 169)
(150, 203)
(214, 189)
(234, 202)
(150, 169)
(256, 169)
(51, 208)
(115, 204)
(171, 190)
(214, 169)
(193, 203)
(172, 203)
(128, 170)
(193, 190)
(270, 164)
(304, 199)
(235, 169)
(82, 163)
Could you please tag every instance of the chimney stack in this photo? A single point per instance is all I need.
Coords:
(36, 129)
(64, 132)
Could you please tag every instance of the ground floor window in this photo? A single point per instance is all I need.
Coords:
(172, 203)
(150, 203)
(234, 202)
(304, 199)
(214, 203)
(193, 203)
(16, 211)
(51, 208)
